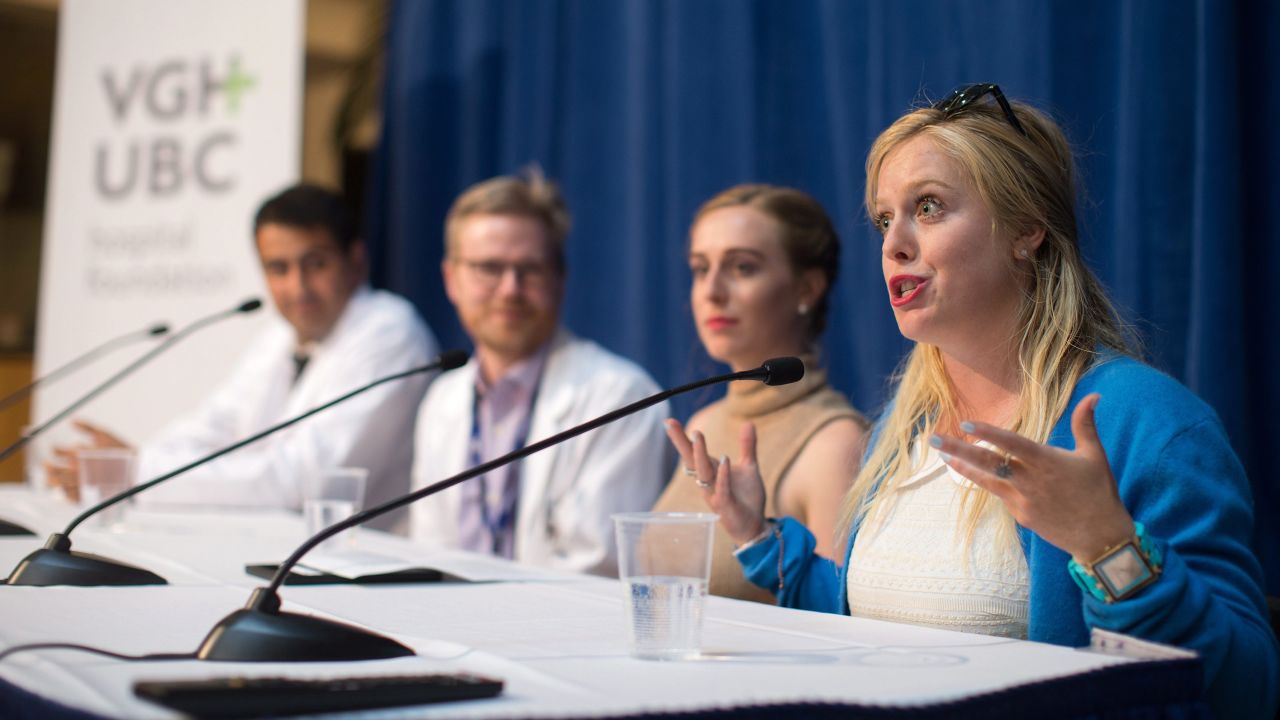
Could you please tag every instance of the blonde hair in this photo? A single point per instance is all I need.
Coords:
(529, 194)
(1026, 182)
(808, 237)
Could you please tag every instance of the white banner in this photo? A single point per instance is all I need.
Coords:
(172, 122)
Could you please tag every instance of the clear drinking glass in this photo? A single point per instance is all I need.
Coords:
(105, 472)
(32, 469)
(330, 496)
(664, 561)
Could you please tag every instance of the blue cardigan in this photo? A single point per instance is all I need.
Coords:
(1177, 475)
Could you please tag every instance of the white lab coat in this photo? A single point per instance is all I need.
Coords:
(378, 334)
(568, 491)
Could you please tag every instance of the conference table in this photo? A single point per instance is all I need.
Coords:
(557, 640)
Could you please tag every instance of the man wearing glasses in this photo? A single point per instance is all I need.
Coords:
(529, 378)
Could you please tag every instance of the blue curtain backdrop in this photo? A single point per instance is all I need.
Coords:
(642, 109)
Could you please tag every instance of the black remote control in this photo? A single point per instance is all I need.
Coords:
(245, 697)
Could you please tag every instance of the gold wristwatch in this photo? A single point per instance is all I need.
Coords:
(1122, 570)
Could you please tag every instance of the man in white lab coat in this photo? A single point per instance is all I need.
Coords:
(332, 334)
(529, 378)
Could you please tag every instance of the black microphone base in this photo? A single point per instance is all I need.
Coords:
(8, 528)
(256, 636)
(46, 567)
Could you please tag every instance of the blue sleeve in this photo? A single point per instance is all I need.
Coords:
(807, 581)
(1194, 499)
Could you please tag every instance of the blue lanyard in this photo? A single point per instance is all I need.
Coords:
(511, 494)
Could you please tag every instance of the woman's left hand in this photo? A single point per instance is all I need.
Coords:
(1069, 498)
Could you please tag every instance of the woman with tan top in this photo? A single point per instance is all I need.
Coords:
(763, 260)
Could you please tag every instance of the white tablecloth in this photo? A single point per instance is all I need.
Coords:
(557, 640)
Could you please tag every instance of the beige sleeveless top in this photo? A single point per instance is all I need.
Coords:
(786, 417)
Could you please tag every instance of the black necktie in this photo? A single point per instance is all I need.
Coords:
(300, 361)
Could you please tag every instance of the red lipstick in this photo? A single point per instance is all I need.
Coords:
(719, 322)
(905, 288)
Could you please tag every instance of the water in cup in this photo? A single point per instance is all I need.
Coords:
(320, 514)
(664, 560)
(105, 472)
(32, 466)
(331, 496)
(664, 615)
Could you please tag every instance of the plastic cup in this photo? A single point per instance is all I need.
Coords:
(664, 561)
(331, 496)
(32, 467)
(105, 472)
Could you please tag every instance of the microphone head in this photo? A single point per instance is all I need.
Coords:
(452, 359)
(783, 370)
(250, 305)
(159, 329)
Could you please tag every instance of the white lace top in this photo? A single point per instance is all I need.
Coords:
(909, 564)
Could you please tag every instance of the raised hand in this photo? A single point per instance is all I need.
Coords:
(1069, 498)
(99, 437)
(63, 470)
(684, 446)
(734, 492)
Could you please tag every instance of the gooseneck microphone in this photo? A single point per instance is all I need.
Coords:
(9, 529)
(247, 306)
(56, 564)
(106, 347)
(6, 527)
(259, 632)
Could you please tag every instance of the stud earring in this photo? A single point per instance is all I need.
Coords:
(803, 309)
(1022, 253)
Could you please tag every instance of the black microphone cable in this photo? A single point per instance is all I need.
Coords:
(151, 657)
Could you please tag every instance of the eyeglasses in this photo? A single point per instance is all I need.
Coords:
(963, 97)
(489, 273)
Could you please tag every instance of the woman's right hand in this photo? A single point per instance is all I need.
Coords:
(734, 492)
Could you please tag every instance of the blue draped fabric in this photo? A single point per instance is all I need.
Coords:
(643, 109)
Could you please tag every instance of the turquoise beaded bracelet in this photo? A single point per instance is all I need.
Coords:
(1121, 571)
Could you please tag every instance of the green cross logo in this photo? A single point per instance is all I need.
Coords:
(237, 82)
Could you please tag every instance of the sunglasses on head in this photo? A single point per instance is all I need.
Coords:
(963, 97)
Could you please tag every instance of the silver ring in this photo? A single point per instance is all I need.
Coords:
(689, 471)
(1004, 470)
(703, 485)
